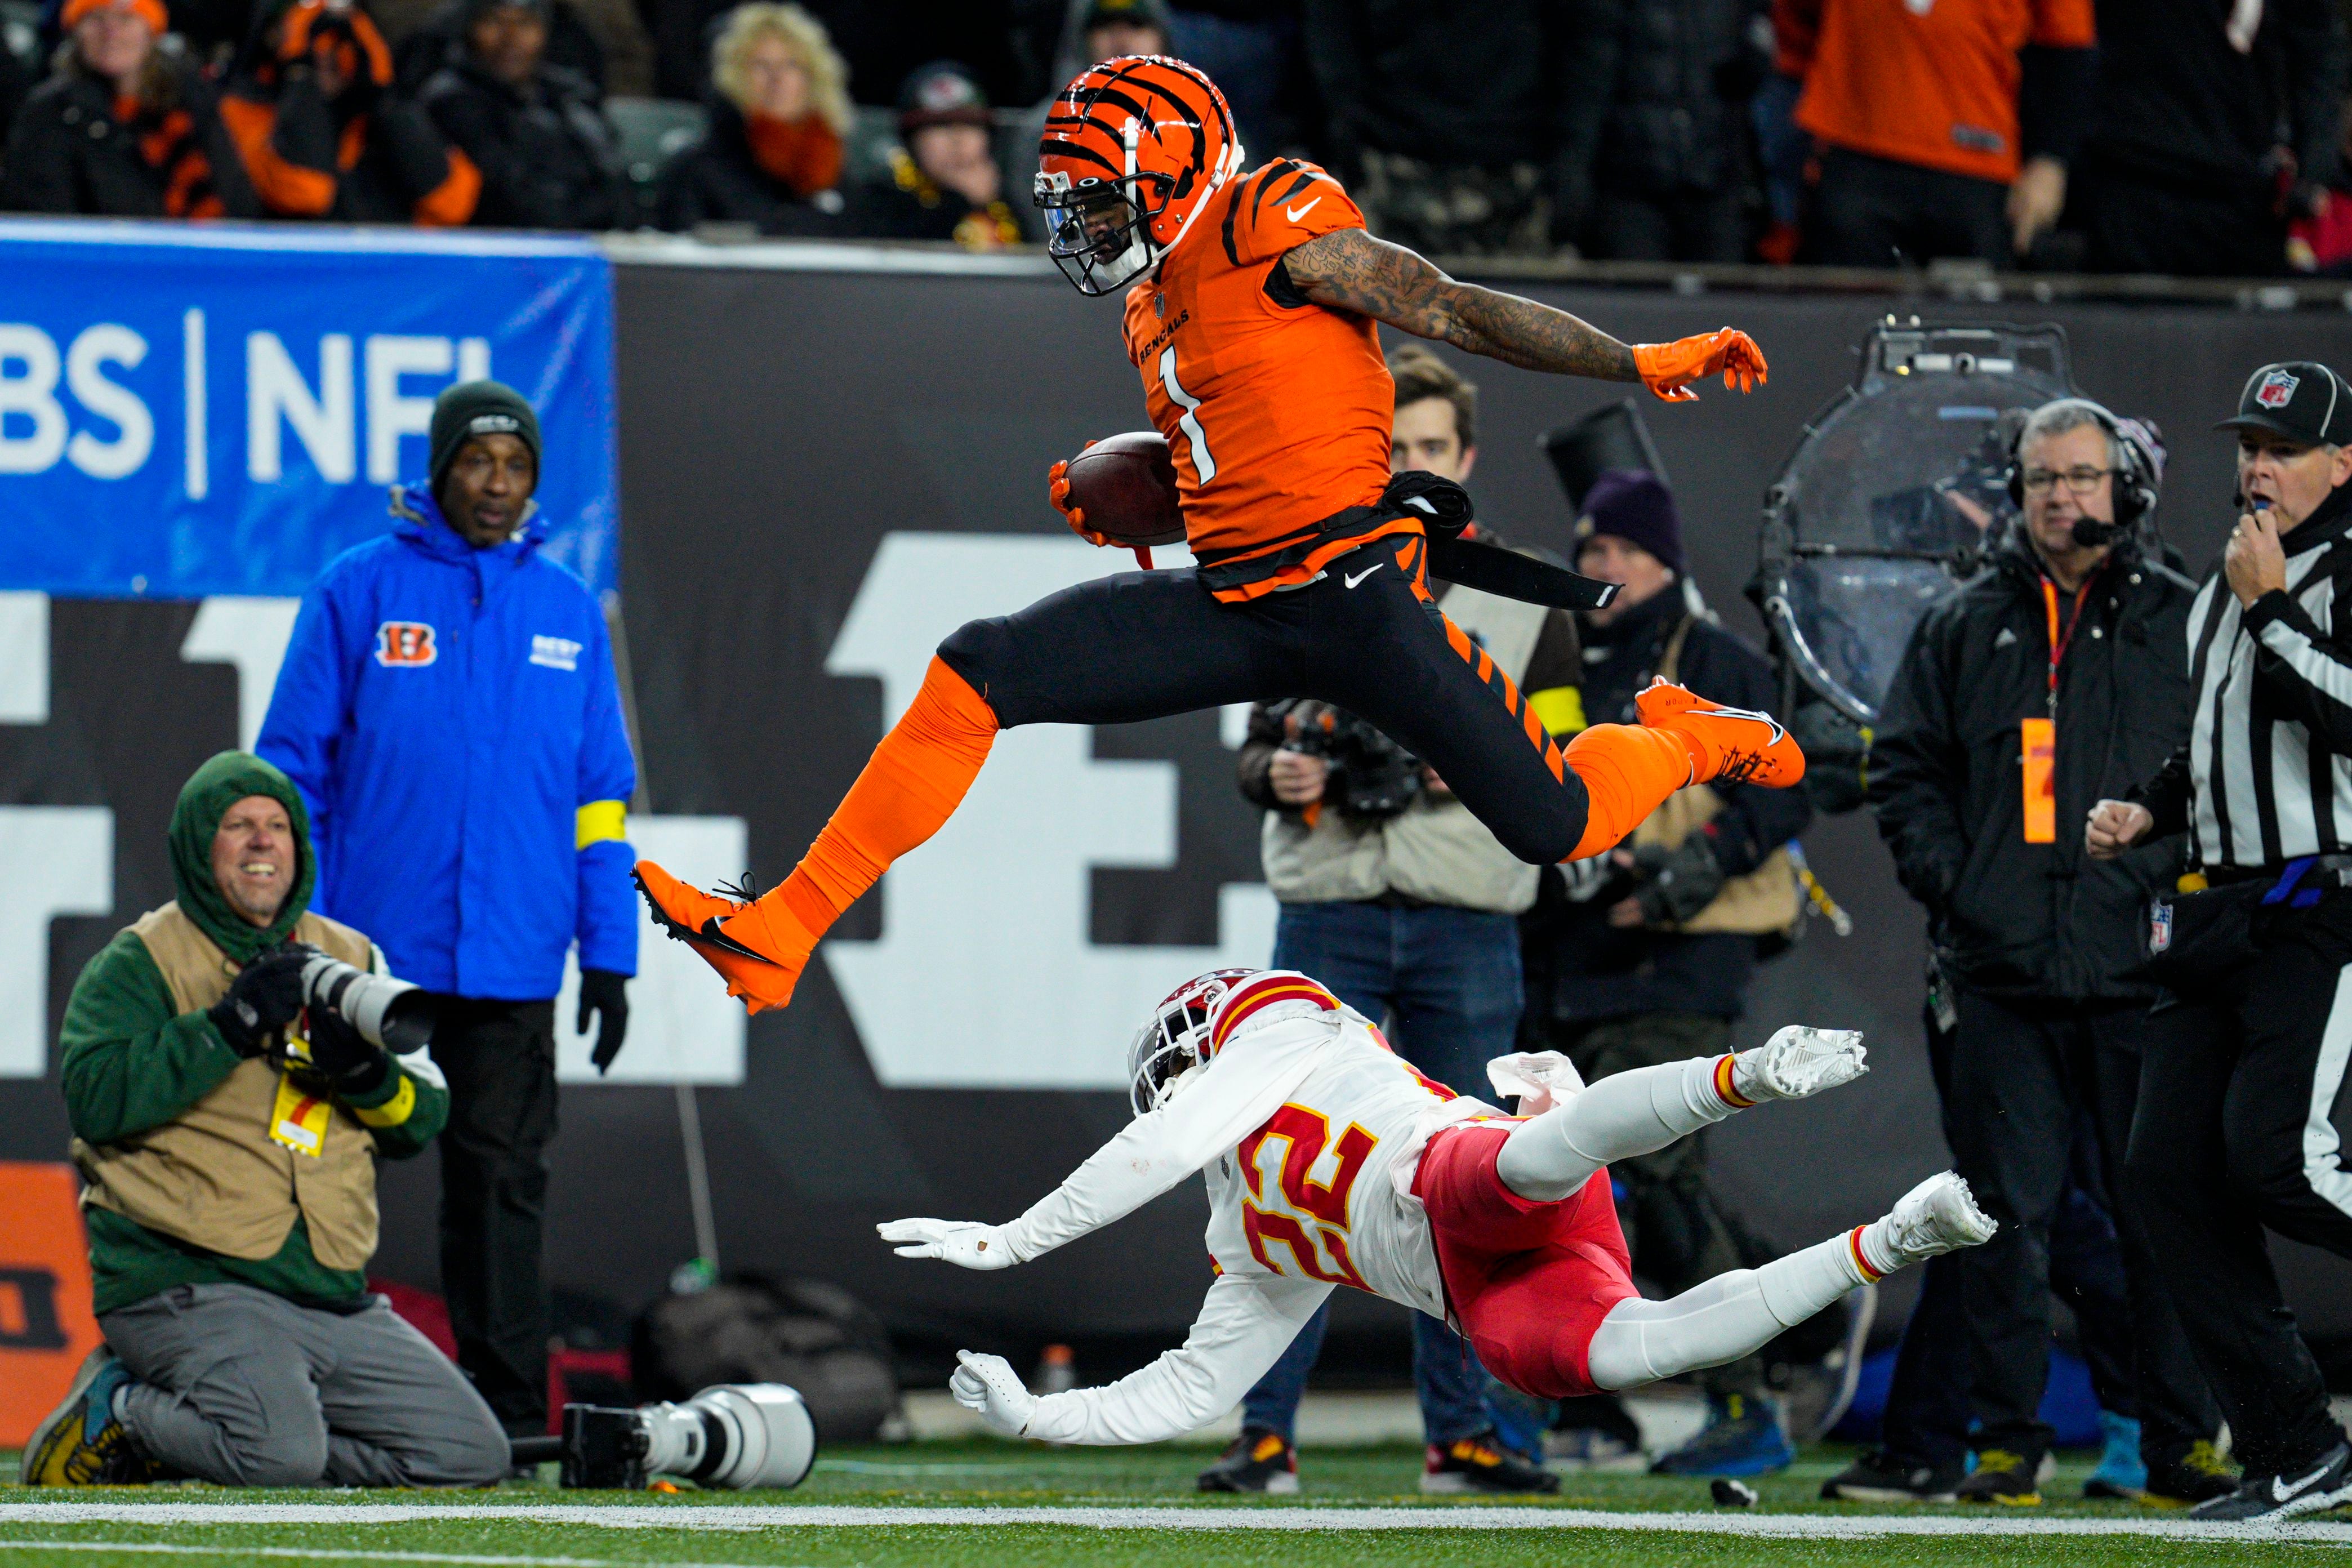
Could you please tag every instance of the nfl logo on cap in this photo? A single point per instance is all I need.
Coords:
(2277, 391)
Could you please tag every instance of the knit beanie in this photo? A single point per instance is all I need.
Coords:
(474, 408)
(1635, 506)
(151, 12)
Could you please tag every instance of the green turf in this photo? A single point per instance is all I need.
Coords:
(949, 1474)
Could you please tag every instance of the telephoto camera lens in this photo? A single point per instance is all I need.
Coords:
(386, 1012)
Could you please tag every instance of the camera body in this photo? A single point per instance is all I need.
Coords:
(1371, 777)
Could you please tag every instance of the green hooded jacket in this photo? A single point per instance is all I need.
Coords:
(128, 1063)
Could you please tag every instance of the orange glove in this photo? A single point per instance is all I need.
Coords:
(1057, 490)
(1668, 369)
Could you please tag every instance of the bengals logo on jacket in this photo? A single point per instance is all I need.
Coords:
(404, 645)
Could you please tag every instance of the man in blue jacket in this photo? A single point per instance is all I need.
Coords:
(448, 710)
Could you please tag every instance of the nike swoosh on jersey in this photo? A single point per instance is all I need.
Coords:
(1359, 576)
(1294, 214)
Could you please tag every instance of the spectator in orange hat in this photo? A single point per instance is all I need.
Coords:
(319, 135)
(779, 110)
(122, 128)
(1946, 128)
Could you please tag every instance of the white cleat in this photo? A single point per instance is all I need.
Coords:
(1798, 1062)
(1939, 1216)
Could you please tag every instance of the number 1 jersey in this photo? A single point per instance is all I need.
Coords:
(1278, 410)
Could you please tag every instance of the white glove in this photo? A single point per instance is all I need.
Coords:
(1798, 1062)
(1541, 1080)
(962, 1242)
(987, 1384)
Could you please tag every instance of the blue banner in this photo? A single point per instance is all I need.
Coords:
(198, 409)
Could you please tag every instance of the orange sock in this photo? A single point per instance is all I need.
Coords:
(1628, 771)
(911, 786)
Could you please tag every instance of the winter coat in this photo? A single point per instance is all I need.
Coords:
(2017, 918)
(2178, 104)
(548, 159)
(1669, 82)
(452, 719)
(717, 180)
(386, 164)
(67, 154)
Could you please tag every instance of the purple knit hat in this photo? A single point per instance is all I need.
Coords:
(1634, 505)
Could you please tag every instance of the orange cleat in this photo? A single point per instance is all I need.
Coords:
(758, 949)
(1729, 745)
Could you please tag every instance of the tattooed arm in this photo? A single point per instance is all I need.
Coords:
(1347, 269)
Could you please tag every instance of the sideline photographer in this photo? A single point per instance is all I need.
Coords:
(228, 1167)
(1396, 898)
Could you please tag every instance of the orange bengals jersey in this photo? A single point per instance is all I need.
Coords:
(1278, 415)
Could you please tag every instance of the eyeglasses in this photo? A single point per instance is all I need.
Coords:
(2081, 481)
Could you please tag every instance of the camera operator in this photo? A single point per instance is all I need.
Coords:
(2047, 683)
(1649, 960)
(1396, 898)
(2242, 1110)
(228, 1166)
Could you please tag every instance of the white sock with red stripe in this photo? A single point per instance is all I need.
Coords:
(1800, 1285)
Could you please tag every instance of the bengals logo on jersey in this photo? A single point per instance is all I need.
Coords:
(404, 645)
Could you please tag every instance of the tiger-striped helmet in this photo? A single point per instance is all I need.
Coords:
(1133, 148)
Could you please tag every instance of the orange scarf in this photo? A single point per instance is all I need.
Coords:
(805, 153)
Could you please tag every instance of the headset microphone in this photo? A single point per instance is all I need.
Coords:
(2091, 533)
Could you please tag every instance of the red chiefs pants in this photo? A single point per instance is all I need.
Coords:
(1528, 1282)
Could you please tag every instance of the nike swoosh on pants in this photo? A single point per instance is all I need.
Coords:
(1359, 576)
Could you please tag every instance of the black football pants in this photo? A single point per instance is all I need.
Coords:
(2023, 1073)
(1366, 635)
(499, 1059)
(2241, 1115)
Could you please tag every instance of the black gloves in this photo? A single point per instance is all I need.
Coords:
(606, 994)
(264, 997)
(350, 1063)
(1675, 884)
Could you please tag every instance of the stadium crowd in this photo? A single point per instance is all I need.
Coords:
(2167, 136)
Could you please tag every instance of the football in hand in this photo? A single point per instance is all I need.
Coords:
(1126, 486)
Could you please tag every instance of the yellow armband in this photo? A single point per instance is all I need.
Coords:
(598, 821)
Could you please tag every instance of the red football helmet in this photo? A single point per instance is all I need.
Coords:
(1133, 148)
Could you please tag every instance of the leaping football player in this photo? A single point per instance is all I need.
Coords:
(1330, 1161)
(1253, 318)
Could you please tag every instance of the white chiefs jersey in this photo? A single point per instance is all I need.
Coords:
(1310, 1130)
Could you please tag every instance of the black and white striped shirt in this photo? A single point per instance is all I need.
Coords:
(2267, 772)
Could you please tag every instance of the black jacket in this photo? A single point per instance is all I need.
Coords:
(717, 180)
(547, 157)
(1449, 84)
(1593, 969)
(2178, 105)
(1665, 86)
(67, 154)
(2015, 919)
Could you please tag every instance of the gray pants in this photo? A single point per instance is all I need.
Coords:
(244, 1388)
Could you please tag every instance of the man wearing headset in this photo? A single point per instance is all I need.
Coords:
(2051, 680)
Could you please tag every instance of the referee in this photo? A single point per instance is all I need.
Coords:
(2241, 1110)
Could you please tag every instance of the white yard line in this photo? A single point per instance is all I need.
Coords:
(339, 1554)
(790, 1516)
